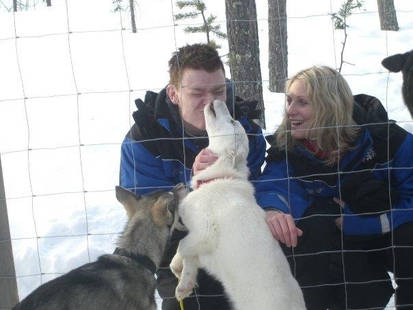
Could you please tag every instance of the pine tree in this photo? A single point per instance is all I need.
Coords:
(340, 22)
(198, 8)
(21, 5)
(118, 6)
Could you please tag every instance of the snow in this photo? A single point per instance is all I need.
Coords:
(80, 74)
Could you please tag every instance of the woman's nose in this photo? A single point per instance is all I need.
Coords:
(291, 108)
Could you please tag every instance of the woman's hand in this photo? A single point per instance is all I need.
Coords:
(339, 220)
(204, 159)
(283, 227)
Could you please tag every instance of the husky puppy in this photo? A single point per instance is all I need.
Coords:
(403, 63)
(227, 232)
(125, 279)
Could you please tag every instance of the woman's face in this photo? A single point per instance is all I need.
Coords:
(299, 110)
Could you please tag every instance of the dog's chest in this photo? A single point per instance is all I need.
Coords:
(216, 195)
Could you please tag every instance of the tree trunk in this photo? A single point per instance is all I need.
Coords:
(15, 5)
(49, 2)
(244, 54)
(8, 287)
(132, 15)
(278, 51)
(387, 15)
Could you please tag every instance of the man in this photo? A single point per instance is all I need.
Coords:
(161, 148)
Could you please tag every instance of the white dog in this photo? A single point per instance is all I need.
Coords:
(228, 235)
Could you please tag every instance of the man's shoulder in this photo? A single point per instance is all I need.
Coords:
(243, 109)
(147, 125)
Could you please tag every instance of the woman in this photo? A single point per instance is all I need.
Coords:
(339, 176)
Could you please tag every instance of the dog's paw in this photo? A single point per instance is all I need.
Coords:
(184, 289)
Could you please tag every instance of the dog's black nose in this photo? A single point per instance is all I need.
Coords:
(211, 107)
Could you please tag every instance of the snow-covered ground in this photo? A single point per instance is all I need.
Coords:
(60, 146)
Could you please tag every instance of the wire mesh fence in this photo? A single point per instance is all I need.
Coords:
(70, 75)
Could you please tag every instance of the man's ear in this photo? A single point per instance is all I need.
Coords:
(172, 93)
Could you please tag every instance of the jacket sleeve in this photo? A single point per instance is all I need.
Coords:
(401, 175)
(402, 171)
(276, 190)
(140, 171)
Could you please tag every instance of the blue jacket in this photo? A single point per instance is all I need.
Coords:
(374, 205)
(154, 155)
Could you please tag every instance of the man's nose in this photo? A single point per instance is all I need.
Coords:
(209, 98)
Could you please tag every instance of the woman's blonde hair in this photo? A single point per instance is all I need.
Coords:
(332, 103)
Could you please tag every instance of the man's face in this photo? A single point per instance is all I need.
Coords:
(197, 88)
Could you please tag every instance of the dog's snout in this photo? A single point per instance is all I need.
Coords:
(179, 187)
(211, 107)
(180, 191)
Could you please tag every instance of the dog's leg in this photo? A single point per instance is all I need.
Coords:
(199, 241)
(190, 246)
(176, 265)
(187, 280)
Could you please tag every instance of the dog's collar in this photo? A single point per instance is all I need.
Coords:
(200, 182)
(205, 181)
(143, 260)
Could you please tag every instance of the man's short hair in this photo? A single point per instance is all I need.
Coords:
(195, 56)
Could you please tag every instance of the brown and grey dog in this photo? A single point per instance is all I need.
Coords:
(125, 279)
(403, 63)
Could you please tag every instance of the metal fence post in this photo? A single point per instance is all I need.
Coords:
(8, 285)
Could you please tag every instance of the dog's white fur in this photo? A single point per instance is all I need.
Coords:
(228, 235)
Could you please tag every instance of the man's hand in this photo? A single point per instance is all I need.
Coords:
(204, 159)
(283, 228)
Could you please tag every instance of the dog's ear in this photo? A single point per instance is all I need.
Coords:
(163, 209)
(408, 64)
(128, 199)
(395, 63)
